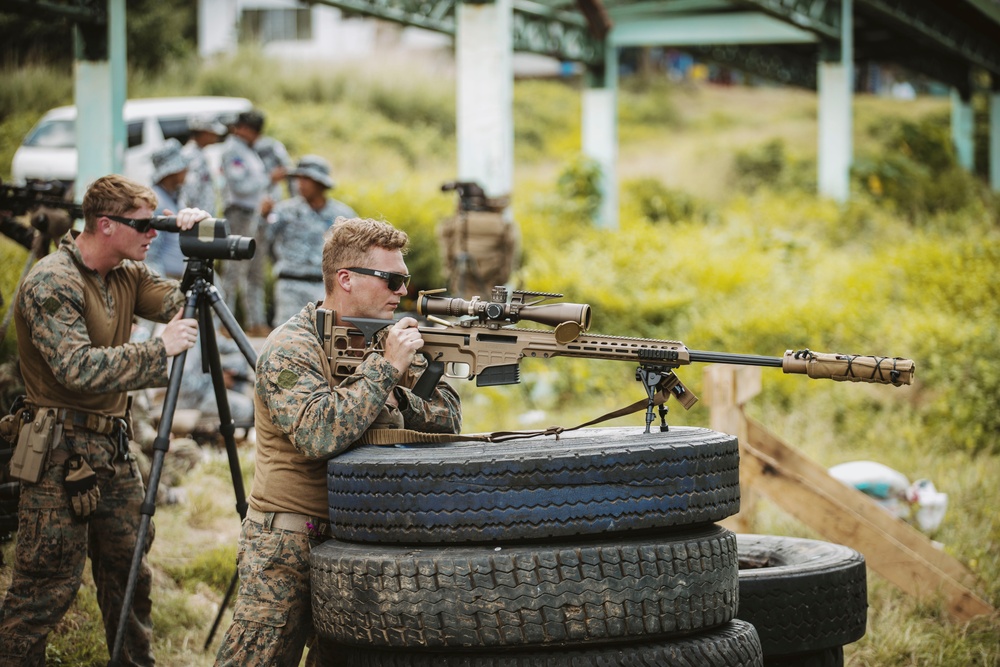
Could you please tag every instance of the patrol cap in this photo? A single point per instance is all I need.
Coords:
(314, 167)
(168, 160)
(206, 124)
(252, 118)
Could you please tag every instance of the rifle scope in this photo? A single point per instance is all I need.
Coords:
(552, 314)
(208, 239)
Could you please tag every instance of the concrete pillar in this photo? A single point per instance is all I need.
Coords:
(962, 127)
(599, 126)
(100, 91)
(995, 140)
(218, 27)
(835, 89)
(485, 91)
(600, 131)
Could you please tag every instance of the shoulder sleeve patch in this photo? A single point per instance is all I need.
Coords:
(51, 305)
(287, 379)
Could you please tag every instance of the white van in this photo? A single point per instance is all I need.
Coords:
(48, 152)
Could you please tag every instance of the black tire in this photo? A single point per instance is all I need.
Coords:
(524, 595)
(803, 596)
(828, 657)
(588, 482)
(734, 644)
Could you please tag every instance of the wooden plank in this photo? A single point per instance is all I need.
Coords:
(825, 513)
(794, 462)
(725, 389)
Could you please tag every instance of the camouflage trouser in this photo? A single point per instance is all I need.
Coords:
(291, 296)
(52, 548)
(245, 277)
(272, 621)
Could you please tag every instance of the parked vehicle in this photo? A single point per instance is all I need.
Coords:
(48, 152)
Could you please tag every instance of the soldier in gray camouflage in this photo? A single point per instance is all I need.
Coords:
(295, 236)
(245, 199)
(200, 189)
(304, 416)
(74, 316)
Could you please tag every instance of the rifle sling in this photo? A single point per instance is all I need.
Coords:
(387, 437)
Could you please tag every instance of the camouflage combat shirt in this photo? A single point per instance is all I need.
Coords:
(73, 330)
(302, 420)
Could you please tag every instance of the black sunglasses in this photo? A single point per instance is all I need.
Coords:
(140, 225)
(394, 280)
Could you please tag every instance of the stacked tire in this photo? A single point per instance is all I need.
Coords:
(806, 598)
(597, 548)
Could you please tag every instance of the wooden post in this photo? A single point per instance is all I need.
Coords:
(725, 390)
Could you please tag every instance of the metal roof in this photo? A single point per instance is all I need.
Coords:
(940, 39)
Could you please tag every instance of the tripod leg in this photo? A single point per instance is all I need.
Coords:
(160, 446)
(226, 425)
(225, 603)
(232, 326)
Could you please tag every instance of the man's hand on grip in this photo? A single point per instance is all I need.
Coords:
(402, 342)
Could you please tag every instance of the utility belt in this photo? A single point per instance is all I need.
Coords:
(305, 279)
(291, 521)
(41, 428)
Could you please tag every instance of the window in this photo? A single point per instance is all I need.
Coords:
(176, 128)
(134, 131)
(53, 134)
(272, 25)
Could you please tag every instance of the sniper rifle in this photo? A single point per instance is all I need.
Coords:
(484, 346)
(18, 200)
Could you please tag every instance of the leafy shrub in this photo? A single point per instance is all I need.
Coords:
(915, 169)
(579, 184)
(658, 203)
(769, 166)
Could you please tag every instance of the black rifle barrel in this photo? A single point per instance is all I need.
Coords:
(738, 359)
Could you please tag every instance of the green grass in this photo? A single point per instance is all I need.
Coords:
(700, 256)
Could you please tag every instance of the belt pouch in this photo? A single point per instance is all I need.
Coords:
(33, 446)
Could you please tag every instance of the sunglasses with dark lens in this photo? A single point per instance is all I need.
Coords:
(394, 280)
(140, 225)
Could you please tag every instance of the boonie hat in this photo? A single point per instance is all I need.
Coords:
(168, 160)
(314, 167)
(206, 124)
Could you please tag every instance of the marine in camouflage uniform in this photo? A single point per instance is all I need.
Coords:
(295, 235)
(305, 416)
(245, 199)
(74, 316)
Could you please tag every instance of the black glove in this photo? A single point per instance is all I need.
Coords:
(81, 487)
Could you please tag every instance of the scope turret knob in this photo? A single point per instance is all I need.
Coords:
(494, 311)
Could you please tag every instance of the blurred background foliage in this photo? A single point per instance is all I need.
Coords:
(722, 244)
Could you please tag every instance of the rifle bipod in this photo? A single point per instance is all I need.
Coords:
(202, 298)
(659, 380)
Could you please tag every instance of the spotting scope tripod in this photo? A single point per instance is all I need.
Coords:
(200, 297)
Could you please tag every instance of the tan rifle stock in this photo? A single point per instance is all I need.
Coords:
(479, 348)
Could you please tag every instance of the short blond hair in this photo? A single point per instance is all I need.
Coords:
(114, 195)
(349, 241)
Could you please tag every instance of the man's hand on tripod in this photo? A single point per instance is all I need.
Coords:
(180, 334)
